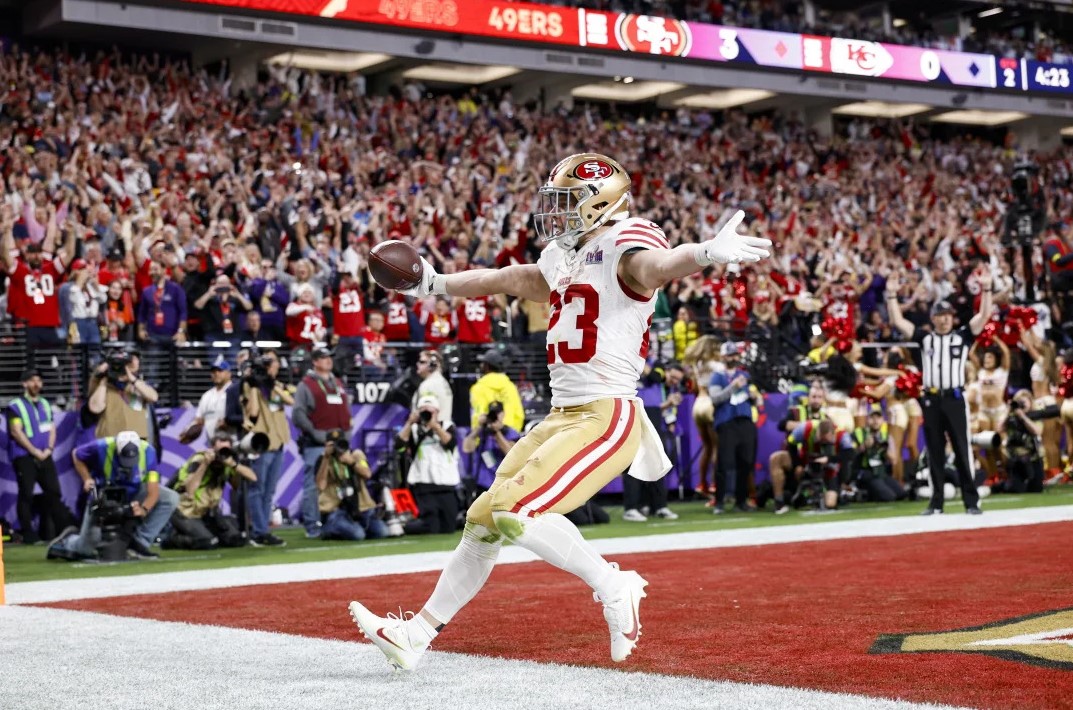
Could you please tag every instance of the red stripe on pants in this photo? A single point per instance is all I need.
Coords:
(574, 460)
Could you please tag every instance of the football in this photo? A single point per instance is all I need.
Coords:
(395, 265)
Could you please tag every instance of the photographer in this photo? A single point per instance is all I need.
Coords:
(433, 475)
(817, 449)
(491, 439)
(875, 457)
(433, 384)
(1021, 444)
(220, 309)
(119, 399)
(263, 398)
(494, 386)
(347, 510)
(123, 468)
(198, 523)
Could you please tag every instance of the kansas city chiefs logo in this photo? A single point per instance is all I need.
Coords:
(1040, 639)
(593, 170)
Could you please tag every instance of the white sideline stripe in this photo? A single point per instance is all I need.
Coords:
(627, 413)
(98, 587)
(60, 658)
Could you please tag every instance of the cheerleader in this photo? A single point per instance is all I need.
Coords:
(1044, 376)
(993, 374)
(702, 357)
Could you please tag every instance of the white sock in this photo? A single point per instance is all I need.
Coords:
(465, 574)
(557, 541)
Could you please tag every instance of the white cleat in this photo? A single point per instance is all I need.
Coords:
(622, 604)
(392, 635)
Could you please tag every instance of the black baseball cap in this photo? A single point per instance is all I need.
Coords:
(494, 359)
(942, 307)
(30, 372)
(318, 353)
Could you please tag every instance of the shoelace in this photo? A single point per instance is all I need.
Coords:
(596, 595)
(403, 618)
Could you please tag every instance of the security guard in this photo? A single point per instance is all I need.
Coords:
(946, 413)
(32, 441)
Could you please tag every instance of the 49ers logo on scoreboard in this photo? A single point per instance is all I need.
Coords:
(593, 170)
(653, 35)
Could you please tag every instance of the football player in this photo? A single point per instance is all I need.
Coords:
(600, 273)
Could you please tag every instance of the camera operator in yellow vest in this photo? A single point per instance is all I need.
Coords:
(198, 523)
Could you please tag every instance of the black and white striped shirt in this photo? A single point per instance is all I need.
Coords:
(943, 357)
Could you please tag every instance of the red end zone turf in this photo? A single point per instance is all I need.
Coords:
(819, 615)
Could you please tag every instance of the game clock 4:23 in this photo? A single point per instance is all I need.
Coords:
(1044, 76)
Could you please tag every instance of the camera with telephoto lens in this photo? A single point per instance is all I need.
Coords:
(425, 416)
(339, 441)
(494, 410)
(112, 507)
(259, 376)
(1015, 405)
(118, 361)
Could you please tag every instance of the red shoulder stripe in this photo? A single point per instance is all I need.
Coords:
(641, 242)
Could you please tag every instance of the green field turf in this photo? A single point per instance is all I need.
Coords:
(28, 563)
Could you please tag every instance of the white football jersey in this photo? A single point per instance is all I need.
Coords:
(598, 331)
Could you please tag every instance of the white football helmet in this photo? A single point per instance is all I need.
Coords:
(583, 192)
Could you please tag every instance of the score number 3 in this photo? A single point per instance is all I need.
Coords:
(585, 321)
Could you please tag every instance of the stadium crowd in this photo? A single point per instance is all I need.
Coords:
(781, 16)
(146, 200)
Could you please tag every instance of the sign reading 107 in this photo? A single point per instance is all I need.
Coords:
(371, 392)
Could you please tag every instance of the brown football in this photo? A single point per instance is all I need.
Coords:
(395, 265)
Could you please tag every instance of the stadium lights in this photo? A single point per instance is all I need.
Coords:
(459, 73)
(1067, 132)
(899, 22)
(880, 109)
(989, 13)
(723, 99)
(329, 61)
(637, 91)
(974, 117)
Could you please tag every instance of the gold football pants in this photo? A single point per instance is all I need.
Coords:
(563, 461)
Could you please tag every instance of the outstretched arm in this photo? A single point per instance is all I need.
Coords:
(976, 325)
(650, 269)
(522, 280)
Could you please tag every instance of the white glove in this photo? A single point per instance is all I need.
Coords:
(431, 283)
(731, 247)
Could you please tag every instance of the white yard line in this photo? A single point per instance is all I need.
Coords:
(63, 590)
(57, 658)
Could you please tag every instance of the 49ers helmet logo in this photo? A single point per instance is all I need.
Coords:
(653, 35)
(593, 170)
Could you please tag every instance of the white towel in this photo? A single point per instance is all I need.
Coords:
(651, 463)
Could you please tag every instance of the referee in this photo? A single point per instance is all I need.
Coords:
(946, 413)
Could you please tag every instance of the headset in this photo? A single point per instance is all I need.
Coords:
(434, 362)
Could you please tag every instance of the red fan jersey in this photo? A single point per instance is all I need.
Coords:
(34, 293)
(839, 306)
(438, 329)
(348, 314)
(475, 320)
(373, 346)
(397, 321)
(305, 328)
